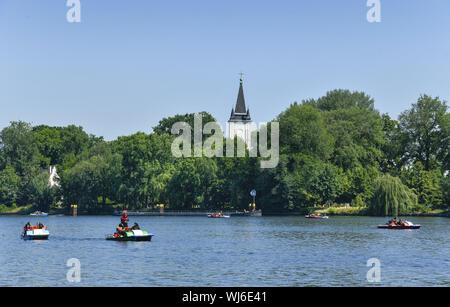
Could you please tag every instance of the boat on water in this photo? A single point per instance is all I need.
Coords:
(218, 216)
(394, 224)
(399, 226)
(316, 216)
(131, 235)
(39, 213)
(35, 233)
(255, 213)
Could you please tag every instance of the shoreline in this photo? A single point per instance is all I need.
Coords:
(230, 213)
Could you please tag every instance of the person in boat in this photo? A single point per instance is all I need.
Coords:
(39, 225)
(124, 219)
(136, 227)
(392, 222)
(26, 227)
(120, 230)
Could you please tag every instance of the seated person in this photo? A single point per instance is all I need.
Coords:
(39, 225)
(27, 227)
(121, 229)
(124, 218)
(136, 226)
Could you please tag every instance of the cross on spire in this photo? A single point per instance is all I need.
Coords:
(241, 74)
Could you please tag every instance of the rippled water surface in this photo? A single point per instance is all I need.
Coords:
(240, 251)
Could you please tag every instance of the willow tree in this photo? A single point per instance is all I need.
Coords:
(391, 197)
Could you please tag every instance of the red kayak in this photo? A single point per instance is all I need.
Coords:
(399, 226)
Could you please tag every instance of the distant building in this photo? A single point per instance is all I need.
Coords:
(240, 123)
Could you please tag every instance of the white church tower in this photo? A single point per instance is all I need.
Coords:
(240, 123)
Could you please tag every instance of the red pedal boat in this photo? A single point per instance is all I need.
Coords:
(218, 216)
(399, 226)
(393, 224)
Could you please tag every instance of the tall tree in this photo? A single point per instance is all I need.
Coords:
(10, 184)
(44, 195)
(302, 130)
(393, 148)
(427, 129)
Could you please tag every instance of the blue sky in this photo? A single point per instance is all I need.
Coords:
(130, 63)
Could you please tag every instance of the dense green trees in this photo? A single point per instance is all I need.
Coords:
(10, 184)
(334, 149)
(426, 126)
(44, 195)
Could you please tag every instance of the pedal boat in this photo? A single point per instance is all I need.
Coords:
(213, 216)
(131, 235)
(36, 234)
(399, 226)
(312, 216)
(39, 214)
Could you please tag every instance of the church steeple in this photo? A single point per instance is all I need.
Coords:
(240, 112)
(240, 123)
(240, 102)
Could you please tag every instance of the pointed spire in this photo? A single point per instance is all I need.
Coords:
(240, 103)
(240, 113)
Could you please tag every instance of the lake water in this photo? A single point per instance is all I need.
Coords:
(240, 251)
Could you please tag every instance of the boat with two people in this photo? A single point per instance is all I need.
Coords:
(316, 216)
(38, 232)
(218, 215)
(125, 233)
(398, 223)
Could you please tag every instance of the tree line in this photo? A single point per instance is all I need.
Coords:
(335, 149)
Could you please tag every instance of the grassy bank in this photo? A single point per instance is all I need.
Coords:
(16, 210)
(344, 211)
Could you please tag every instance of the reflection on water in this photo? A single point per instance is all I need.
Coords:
(241, 251)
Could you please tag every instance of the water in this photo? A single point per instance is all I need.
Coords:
(240, 251)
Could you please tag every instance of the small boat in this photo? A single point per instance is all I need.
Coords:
(216, 216)
(403, 225)
(316, 216)
(35, 233)
(399, 226)
(39, 213)
(256, 213)
(394, 224)
(131, 235)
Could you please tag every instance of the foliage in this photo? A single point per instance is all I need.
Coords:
(391, 197)
(426, 126)
(43, 194)
(9, 186)
(334, 149)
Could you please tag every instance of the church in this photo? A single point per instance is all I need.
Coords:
(240, 123)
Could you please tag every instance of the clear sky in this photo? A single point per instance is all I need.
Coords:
(130, 63)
